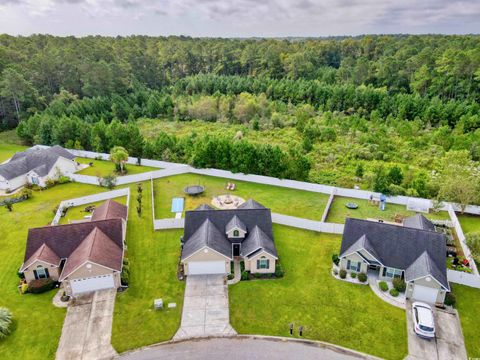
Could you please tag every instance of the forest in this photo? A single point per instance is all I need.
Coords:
(396, 114)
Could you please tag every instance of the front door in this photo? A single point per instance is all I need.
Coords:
(236, 249)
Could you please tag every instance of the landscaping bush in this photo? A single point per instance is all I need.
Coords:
(125, 277)
(399, 285)
(24, 288)
(450, 299)
(5, 322)
(244, 275)
(383, 286)
(353, 275)
(394, 292)
(242, 266)
(63, 179)
(335, 259)
(343, 274)
(257, 275)
(230, 276)
(40, 285)
(50, 183)
(279, 273)
(362, 277)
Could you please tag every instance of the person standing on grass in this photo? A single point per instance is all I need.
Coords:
(300, 330)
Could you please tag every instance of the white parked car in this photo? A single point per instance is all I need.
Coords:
(423, 322)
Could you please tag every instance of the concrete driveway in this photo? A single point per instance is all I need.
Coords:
(448, 344)
(87, 328)
(205, 308)
(240, 348)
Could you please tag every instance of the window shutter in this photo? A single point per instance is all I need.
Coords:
(258, 264)
(359, 265)
(46, 273)
(384, 272)
(268, 263)
(348, 264)
(35, 274)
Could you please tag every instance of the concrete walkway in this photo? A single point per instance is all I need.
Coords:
(236, 272)
(87, 328)
(244, 347)
(205, 308)
(400, 302)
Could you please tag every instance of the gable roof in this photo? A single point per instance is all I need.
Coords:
(425, 266)
(258, 240)
(397, 246)
(97, 248)
(43, 253)
(246, 218)
(251, 204)
(235, 222)
(203, 207)
(110, 210)
(41, 160)
(418, 221)
(207, 235)
(363, 243)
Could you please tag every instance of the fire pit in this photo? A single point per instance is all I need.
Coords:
(194, 190)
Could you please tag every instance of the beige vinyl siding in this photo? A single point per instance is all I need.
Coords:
(210, 255)
(431, 284)
(251, 264)
(52, 271)
(353, 258)
(96, 270)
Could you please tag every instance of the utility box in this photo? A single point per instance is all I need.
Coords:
(158, 304)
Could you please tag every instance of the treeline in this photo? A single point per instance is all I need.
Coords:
(33, 69)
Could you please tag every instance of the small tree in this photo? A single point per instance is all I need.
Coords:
(8, 204)
(359, 171)
(119, 156)
(5, 322)
(395, 175)
(109, 181)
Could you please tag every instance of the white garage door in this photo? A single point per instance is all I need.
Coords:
(92, 284)
(423, 293)
(206, 267)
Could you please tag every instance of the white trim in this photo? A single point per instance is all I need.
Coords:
(46, 262)
(62, 277)
(362, 248)
(433, 277)
(206, 247)
(261, 252)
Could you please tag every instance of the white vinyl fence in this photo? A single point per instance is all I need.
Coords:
(307, 224)
(164, 224)
(463, 278)
(90, 199)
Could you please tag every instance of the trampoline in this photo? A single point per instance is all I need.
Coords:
(177, 205)
(194, 190)
(351, 205)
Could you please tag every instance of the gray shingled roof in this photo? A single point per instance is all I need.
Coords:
(235, 222)
(397, 246)
(418, 221)
(251, 204)
(39, 160)
(207, 235)
(425, 266)
(258, 240)
(204, 207)
(195, 220)
(363, 243)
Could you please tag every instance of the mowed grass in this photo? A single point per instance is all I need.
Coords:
(37, 323)
(79, 213)
(339, 212)
(292, 202)
(468, 306)
(469, 223)
(153, 265)
(329, 310)
(7, 150)
(104, 168)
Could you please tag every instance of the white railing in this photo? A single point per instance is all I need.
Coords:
(164, 224)
(90, 199)
(463, 278)
(307, 224)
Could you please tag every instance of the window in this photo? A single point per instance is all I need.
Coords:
(42, 273)
(236, 233)
(392, 273)
(263, 263)
(354, 265)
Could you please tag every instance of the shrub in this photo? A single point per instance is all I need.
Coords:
(343, 274)
(63, 179)
(450, 299)
(50, 183)
(230, 276)
(394, 292)
(362, 277)
(242, 266)
(5, 322)
(244, 275)
(353, 275)
(39, 286)
(399, 285)
(257, 275)
(25, 193)
(125, 276)
(335, 259)
(383, 286)
(279, 273)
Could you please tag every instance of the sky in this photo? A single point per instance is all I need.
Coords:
(238, 18)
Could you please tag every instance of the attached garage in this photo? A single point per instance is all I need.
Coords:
(94, 283)
(425, 293)
(206, 267)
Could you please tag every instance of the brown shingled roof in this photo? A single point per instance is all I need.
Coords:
(97, 248)
(110, 210)
(44, 253)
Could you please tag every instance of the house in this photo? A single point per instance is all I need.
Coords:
(413, 252)
(36, 166)
(214, 238)
(85, 256)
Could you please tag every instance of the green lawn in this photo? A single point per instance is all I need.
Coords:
(468, 305)
(328, 309)
(7, 150)
(339, 212)
(37, 323)
(79, 213)
(153, 264)
(104, 168)
(281, 200)
(469, 223)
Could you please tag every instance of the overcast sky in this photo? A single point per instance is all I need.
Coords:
(238, 18)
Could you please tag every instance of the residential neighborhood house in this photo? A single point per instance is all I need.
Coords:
(84, 256)
(414, 252)
(214, 238)
(36, 166)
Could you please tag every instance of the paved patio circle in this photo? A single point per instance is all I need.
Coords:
(227, 202)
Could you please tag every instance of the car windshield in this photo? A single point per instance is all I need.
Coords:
(426, 328)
